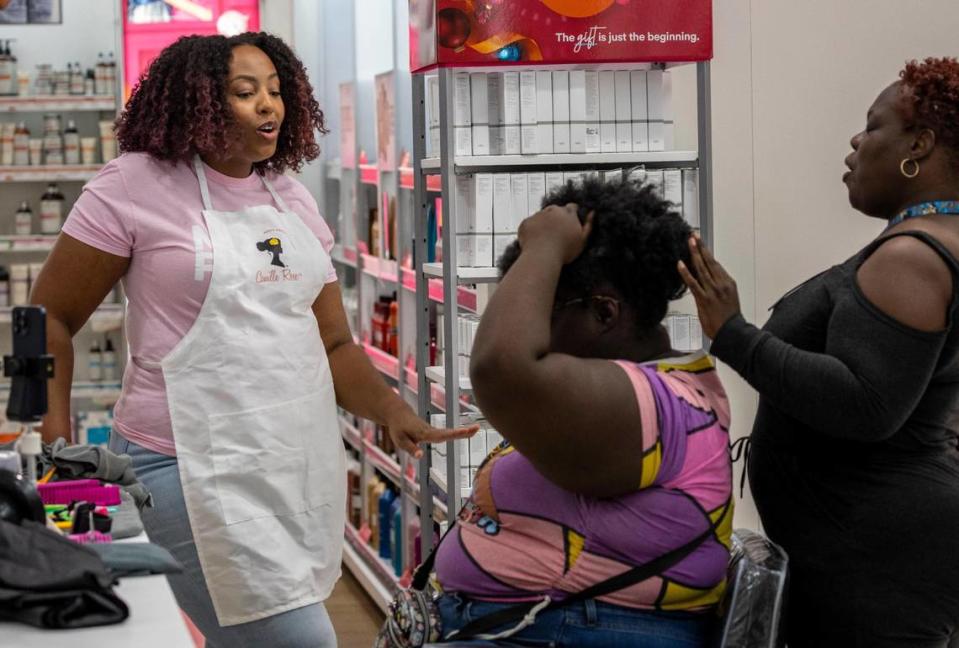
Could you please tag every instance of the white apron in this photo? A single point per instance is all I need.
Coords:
(254, 417)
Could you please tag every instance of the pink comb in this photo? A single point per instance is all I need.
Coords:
(91, 537)
(87, 490)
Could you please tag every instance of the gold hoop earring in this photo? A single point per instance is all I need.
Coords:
(902, 168)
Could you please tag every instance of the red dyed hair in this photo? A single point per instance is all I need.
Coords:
(934, 97)
(179, 105)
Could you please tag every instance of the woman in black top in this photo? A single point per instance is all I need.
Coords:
(854, 463)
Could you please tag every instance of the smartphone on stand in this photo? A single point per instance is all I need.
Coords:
(29, 367)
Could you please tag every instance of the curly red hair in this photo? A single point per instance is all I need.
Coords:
(933, 97)
(179, 105)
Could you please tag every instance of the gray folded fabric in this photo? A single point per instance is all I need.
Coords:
(92, 462)
(126, 519)
(125, 559)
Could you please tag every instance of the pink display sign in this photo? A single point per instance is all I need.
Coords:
(524, 32)
(151, 25)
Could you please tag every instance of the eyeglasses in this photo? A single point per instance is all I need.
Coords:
(561, 305)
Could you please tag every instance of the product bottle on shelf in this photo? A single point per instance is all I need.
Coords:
(90, 83)
(4, 288)
(385, 504)
(7, 130)
(394, 321)
(100, 75)
(51, 210)
(21, 145)
(95, 363)
(71, 144)
(111, 74)
(23, 220)
(52, 141)
(396, 535)
(8, 70)
(108, 362)
(374, 491)
(76, 80)
(19, 284)
(62, 82)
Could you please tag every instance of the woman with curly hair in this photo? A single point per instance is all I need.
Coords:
(853, 463)
(239, 350)
(617, 446)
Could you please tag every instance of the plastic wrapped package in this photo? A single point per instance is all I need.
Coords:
(754, 605)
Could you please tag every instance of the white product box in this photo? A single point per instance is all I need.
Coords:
(462, 123)
(536, 191)
(659, 100)
(673, 188)
(527, 113)
(655, 178)
(465, 223)
(544, 111)
(519, 200)
(624, 113)
(482, 195)
(561, 112)
(478, 450)
(593, 140)
(433, 114)
(500, 243)
(681, 330)
(695, 334)
(494, 112)
(691, 197)
(502, 206)
(607, 111)
(474, 250)
(479, 113)
(577, 111)
(640, 120)
(554, 180)
(511, 114)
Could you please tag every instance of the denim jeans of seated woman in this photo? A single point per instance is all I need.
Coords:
(590, 624)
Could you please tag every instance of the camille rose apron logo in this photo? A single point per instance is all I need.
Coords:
(274, 246)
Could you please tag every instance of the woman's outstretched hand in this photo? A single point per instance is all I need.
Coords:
(717, 298)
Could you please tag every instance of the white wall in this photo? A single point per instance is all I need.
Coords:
(791, 84)
(89, 27)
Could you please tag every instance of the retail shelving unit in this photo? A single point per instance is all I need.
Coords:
(447, 479)
(27, 183)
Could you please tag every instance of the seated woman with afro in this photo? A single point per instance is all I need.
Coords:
(616, 450)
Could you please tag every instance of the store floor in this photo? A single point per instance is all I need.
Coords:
(355, 617)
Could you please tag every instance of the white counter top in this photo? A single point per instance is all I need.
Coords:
(154, 621)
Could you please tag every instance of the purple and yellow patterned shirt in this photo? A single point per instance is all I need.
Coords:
(520, 537)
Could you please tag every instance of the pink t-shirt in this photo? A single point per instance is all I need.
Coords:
(150, 211)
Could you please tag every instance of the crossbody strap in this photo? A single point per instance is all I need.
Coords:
(614, 584)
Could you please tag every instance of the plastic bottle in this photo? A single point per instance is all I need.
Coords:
(394, 323)
(23, 220)
(374, 490)
(21, 145)
(53, 147)
(51, 210)
(396, 535)
(71, 144)
(8, 70)
(90, 83)
(100, 75)
(108, 360)
(76, 80)
(386, 502)
(95, 363)
(111, 74)
(4, 287)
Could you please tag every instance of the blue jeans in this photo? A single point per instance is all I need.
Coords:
(167, 525)
(591, 624)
